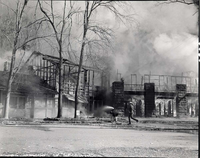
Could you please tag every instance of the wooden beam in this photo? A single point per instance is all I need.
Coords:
(55, 75)
(50, 74)
(88, 87)
(40, 67)
(68, 62)
(46, 106)
(68, 79)
(32, 106)
(93, 91)
(46, 72)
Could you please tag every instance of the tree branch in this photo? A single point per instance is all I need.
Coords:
(63, 21)
(8, 39)
(38, 20)
(24, 43)
(8, 7)
(20, 15)
(51, 22)
(176, 1)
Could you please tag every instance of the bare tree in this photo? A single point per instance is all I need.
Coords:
(59, 27)
(103, 33)
(18, 17)
(18, 37)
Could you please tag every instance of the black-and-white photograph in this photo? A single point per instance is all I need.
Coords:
(99, 78)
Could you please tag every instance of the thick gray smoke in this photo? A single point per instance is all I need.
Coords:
(165, 43)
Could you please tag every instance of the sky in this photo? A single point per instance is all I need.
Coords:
(162, 40)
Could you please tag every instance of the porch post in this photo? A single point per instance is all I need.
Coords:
(32, 106)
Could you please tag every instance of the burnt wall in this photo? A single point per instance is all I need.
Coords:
(118, 94)
(181, 100)
(149, 99)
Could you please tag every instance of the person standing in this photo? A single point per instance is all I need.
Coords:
(130, 110)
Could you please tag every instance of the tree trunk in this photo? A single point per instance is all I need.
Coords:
(7, 101)
(81, 55)
(60, 91)
(78, 78)
(9, 82)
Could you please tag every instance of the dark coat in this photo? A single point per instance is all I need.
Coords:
(114, 113)
(129, 108)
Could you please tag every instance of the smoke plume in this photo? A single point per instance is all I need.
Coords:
(165, 43)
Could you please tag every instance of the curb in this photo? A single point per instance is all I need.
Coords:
(102, 124)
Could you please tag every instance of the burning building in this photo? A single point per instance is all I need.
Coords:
(34, 91)
(30, 96)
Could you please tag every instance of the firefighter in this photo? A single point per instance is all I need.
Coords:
(130, 110)
(114, 115)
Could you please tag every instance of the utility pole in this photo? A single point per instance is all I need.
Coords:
(131, 83)
(118, 74)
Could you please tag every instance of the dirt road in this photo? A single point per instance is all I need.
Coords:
(77, 140)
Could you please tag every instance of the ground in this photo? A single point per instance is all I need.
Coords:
(61, 138)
